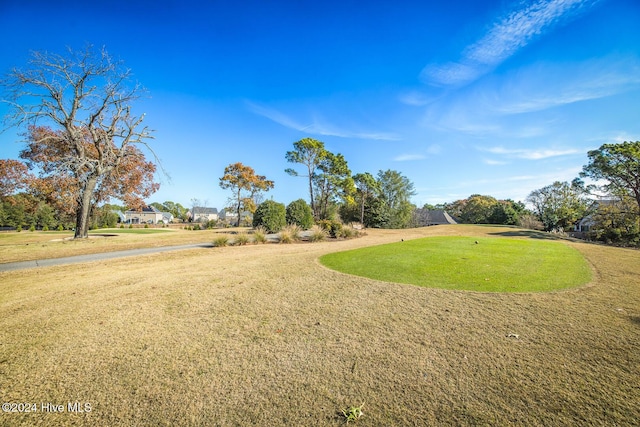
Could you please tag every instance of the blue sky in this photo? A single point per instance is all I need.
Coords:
(462, 97)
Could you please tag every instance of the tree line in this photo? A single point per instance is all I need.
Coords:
(86, 144)
(610, 208)
(335, 194)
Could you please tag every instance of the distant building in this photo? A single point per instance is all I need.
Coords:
(231, 217)
(426, 217)
(148, 215)
(202, 214)
(584, 225)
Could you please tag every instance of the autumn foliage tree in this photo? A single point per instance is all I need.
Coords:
(80, 130)
(14, 176)
(245, 185)
(130, 181)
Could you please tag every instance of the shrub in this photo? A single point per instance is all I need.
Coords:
(289, 234)
(146, 226)
(121, 225)
(242, 239)
(45, 228)
(531, 222)
(220, 240)
(260, 234)
(60, 227)
(271, 215)
(32, 228)
(130, 225)
(317, 234)
(331, 227)
(299, 213)
(347, 232)
(196, 227)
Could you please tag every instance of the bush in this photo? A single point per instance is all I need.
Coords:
(130, 225)
(196, 227)
(271, 215)
(299, 213)
(146, 226)
(347, 233)
(290, 234)
(60, 227)
(331, 227)
(260, 234)
(318, 234)
(242, 239)
(530, 222)
(220, 240)
(121, 225)
(32, 228)
(45, 228)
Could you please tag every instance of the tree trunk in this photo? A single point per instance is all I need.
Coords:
(313, 205)
(83, 212)
(362, 211)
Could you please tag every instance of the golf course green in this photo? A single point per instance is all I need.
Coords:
(469, 263)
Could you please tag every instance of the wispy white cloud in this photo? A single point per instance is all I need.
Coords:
(543, 86)
(492, 162)
(316, 125)
(530, 154)
(409, 157)
(514, 105)
(506, 36)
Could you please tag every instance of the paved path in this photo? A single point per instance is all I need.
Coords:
(95, 257)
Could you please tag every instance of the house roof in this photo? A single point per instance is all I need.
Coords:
(200, 210)
(434, 217)
(146, 209)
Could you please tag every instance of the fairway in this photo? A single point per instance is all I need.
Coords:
(263, 335)
(468, 263)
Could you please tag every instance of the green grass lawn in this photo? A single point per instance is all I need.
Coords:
(491, 265)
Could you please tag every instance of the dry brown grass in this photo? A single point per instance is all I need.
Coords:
(29, 246)
(264, 335)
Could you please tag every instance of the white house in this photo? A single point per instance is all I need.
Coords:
(202, 214)
(148, 215)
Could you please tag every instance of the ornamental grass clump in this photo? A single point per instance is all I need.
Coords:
(317, 234)
(290, 234)
(220, 241)
(347, 232)
(260, 234)
(242, 239)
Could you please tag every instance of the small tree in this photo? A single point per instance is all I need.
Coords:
(299, 213)
(245, 184)
(559, 205)
(310, 153)
(366, 188)
(270, 215)
(395, 194)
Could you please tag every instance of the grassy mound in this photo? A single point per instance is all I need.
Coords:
(468, 263)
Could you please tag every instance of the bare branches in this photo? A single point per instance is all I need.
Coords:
(78, 113)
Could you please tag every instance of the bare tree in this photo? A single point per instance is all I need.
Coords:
(84, 97)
